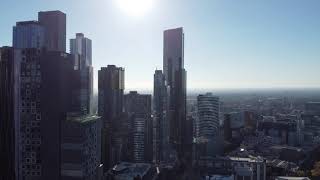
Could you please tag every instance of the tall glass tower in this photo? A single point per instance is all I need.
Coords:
(81, 48)
(175, 74)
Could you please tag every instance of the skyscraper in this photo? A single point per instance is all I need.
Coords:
(30, 117)
(208, 124)
(138, 107)
(110, 108)
(8, 112)
(28, 34)
(44, 100)
(54, 23)
(173, 68)
(48, 83)
(208, 113)
(161, 123)
(173, 53)
(55, 91)
(81, 48)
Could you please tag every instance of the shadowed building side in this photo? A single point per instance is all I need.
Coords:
(110, 108)
(54, 23)
(173, 69)
(8, 112)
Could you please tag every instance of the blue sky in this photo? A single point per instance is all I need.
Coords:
(228, 43)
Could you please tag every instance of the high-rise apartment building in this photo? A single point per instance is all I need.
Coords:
(28, 34)
(54, 23)
(208, 125)
(110, 108)
(173, 68)
(138, 107)
(208, 114)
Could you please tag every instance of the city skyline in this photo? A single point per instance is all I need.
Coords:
(229, 44)
(54, 125)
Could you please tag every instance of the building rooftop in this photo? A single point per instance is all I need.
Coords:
(221, 177)
(22, 23)
(81, 118)
(291, 178)
(282, 147)
(52, 12)
(79, 35)
(247, 159)
(281, 164)
(313, 102)
(127, 171)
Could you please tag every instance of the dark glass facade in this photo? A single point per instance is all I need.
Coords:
(138, 107)
(8, 114)
(54, 23)
(160, 119)
(173, 68)
(110, 109)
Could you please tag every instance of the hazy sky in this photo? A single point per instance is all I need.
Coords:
(228, 43)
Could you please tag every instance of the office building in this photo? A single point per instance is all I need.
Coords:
(138, 107)
(28, 34)
(110, 109)
(49, 83)
(30, 116)
(81, 147)
(56, 69)
(282, 131)
(175, 74)
(173, 53)
(8, 112)
(82, 93)
(54, 23)
(161, 123)
(312, 108)
(44, 99)
(80, 47)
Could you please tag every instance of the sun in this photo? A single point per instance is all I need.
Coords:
(135, 7)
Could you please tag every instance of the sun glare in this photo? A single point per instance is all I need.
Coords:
(135, 7)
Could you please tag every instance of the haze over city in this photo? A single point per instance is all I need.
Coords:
(228, 44)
